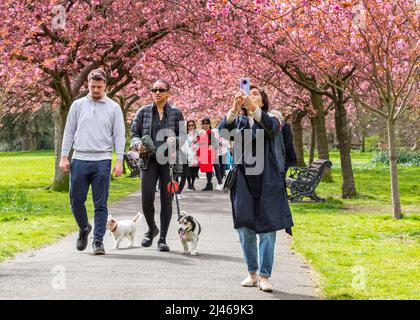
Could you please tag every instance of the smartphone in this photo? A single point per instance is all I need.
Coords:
(245, 84)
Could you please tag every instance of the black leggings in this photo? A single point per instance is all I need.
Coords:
(181, 184)
(218, 174)
(191, 181)
(222, 162)
(148, 191)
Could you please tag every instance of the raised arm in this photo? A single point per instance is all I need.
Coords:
(228, 122)
(271, 125)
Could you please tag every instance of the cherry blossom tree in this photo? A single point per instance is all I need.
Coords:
(378, 42)
(386, 53)
(61, 44)
(317, 59)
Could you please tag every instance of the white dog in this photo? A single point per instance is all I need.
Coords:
(188, 231)
(122, 229)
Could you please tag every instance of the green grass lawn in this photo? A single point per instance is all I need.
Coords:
(30, 214)
(358, 250)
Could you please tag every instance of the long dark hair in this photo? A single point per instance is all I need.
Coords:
(206, 120)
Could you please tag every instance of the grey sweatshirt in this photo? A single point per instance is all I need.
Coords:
(92, 128)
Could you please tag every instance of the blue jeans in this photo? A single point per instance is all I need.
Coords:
(82, 175)
(258, 259)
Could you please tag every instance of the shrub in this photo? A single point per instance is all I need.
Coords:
(371, 143)
(404, 157)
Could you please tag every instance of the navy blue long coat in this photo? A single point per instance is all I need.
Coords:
(260, 202)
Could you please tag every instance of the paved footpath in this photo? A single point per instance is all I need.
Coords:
(61, 272)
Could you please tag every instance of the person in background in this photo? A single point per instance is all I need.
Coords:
(284, 145)
(193, 166)
(290, 155)
(207, 152)
(186, 153)
(223, 155)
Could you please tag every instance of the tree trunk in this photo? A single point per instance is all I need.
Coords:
(25, 143)
(298, 137)
(396, 203)
(321, 133)
(344, 144)
(313, 139)
(61, 180)
(37, 142)
(30, 142)
(363, 140)
(416, 144)
(382, 136)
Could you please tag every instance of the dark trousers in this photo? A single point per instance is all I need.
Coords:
(218, 173)
(191, 181)
(82, 175)
(148, 185)
(181, 184)
(222, 164)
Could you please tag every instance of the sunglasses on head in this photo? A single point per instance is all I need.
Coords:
(161, 90)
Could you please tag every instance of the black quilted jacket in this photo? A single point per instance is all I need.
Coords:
(142, 124)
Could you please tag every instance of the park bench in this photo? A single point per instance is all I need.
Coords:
(302, 182)
(132, 164)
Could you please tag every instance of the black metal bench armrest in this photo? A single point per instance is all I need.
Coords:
(298, 173)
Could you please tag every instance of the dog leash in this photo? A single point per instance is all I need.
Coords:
(172, 188)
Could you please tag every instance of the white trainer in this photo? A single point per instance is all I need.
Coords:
(179, 196)
(219, 187)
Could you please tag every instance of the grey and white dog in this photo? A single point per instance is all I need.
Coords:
(188, 230)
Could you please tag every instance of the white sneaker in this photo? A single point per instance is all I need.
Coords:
(179, 196)
(219, 187)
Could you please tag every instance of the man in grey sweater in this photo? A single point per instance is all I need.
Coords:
(94, 124)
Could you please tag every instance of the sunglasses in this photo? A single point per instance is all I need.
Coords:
(191, 125)
(161, 90)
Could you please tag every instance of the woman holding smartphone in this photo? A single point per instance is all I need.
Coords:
(259, 202)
